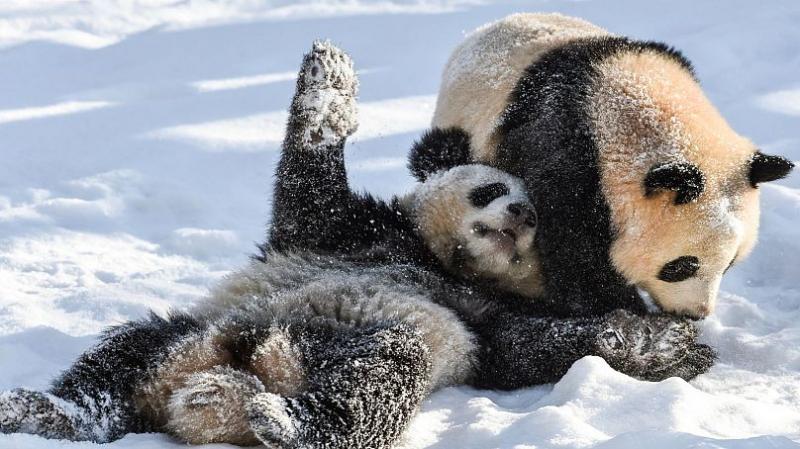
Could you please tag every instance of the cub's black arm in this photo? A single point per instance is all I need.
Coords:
(313, 206)
(520, 351)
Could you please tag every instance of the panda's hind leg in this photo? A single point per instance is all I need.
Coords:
(38, 413)
(210, 405)
(364, 386)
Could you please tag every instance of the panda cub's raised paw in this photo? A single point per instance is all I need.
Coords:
(37, 413)
(324, 107)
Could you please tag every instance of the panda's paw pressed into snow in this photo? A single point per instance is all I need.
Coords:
(324, 106)
(37, 413)
(272, 422)
(653, 347)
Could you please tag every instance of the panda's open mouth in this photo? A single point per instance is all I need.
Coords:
(505, 238)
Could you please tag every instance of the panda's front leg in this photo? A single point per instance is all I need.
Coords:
(311, 190)
(363, 387)
(652, 347)
(519, 351)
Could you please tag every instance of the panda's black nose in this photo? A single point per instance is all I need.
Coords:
(524, 212)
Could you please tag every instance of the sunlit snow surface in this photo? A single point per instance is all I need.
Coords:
(138, 139)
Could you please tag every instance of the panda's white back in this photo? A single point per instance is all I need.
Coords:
(484, 69)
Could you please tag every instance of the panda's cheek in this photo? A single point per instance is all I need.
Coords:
(525, 242)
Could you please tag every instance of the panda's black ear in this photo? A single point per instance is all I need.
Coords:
(684, 178)
(439, 149)
(766, 168)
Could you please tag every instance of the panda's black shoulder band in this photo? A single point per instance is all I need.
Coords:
(439, 149)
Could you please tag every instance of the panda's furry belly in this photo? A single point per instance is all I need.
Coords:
(298, 293)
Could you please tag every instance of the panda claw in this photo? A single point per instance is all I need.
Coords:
(697, 360)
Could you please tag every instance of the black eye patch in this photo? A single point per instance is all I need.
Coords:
(483, 195)
(679, 269)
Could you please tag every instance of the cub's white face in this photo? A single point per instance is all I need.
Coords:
(479, 222)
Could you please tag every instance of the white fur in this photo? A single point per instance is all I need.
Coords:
(446, 218)
(288, 288)
(485, 68)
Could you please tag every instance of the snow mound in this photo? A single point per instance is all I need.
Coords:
(593, 403)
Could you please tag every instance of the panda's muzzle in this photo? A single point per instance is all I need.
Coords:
(523, 213)
(519, 220)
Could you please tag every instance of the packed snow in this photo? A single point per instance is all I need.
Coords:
(139, 139)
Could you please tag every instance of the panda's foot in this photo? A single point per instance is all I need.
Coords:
(212, 407)
(653, 347)
(273, 422)
(37, 413)
(324, 106)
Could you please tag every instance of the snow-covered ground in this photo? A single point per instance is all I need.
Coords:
(138, 139)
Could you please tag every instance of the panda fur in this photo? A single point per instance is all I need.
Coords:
(622, 154)
(334, 344)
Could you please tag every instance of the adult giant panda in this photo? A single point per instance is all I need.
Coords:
(638, 179)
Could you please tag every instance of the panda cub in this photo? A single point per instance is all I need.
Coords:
(350, 316)
(479, 224)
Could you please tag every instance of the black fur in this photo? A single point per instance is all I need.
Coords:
(545, 350)
(437, 150)
(547, 139)
(680, 269)
(480, 197)
(102, 380)
(314, 208)
(684, 178)
(766, 168)
(365, 384)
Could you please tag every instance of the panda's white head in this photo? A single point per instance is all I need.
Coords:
(480, 224)
(681, 185)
